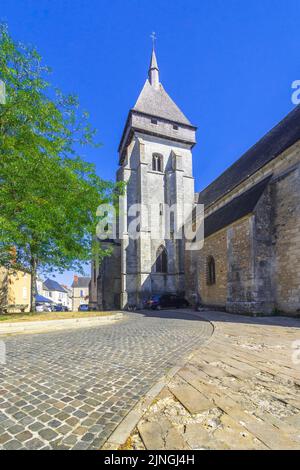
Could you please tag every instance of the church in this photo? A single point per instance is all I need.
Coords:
(250, 258)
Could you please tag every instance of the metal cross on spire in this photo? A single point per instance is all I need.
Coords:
(154, 38)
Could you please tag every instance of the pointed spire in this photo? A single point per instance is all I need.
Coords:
(153, 73)
(153, 63)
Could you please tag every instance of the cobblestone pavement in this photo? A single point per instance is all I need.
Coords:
(69, 390)
(240, 391)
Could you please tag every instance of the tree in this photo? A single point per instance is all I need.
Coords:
(48, 194)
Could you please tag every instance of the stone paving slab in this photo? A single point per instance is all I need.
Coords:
(193, 400)
(71, 389)
(247, 373)
(160, 434)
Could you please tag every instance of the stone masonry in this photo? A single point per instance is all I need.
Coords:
(256, 246)
(252, 216)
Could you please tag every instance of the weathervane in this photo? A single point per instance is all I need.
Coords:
(153, 37)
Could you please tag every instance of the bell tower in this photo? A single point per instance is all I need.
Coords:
(155, 158)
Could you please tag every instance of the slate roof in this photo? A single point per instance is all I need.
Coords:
(280, 138)
(53, 286)
(157, 102)
(82, 282)
(235, 209)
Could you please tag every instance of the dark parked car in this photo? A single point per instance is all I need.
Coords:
(157, 302)
(83, 308)
(60, 308)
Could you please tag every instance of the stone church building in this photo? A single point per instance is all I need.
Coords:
(250, 260)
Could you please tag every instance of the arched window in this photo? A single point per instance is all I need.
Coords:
(157, 162)
(211, 271)
(161, 265)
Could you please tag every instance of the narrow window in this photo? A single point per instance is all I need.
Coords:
(157, 162)
(24, 293)
(161, 265)
(211, 271)
(161, 209)
(154, 163)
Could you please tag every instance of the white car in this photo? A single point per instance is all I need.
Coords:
(42, 308)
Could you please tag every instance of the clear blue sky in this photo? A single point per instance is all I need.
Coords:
(228, 64)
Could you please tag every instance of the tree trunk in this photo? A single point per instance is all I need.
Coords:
(33, 263)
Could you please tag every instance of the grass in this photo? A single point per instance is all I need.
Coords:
(15, 317)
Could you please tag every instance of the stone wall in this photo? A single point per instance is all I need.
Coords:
(240, 294)
(286, 231)
(258, 257)
(105, 286)
(156, 191)
(263, 254)
(215, 246)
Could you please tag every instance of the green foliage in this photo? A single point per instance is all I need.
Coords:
(48, 194)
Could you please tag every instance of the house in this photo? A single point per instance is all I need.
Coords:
(80, 292)
(70, 293)
(56, 292)
(15, 290)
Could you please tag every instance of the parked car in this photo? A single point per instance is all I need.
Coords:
(83, 308)
(157, 302)
(41, 307)
(60, 308)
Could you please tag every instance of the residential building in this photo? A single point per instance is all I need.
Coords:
(15, 290)
(56, 292)
(70, 294)
(80, 292)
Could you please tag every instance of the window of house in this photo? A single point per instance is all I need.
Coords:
(157, 162)
(161, 265)
(161, 209)
(81, 293)
(175, 127)
(50, 294)
(153, 121)
(24, 293)
(211, 271)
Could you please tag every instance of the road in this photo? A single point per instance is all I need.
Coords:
(70, 389)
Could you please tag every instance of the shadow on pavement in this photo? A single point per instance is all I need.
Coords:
(210, 315)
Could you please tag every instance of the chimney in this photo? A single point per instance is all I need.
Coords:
(75, 279)
(13, 254)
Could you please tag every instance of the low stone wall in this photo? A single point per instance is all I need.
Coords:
(28, 327)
